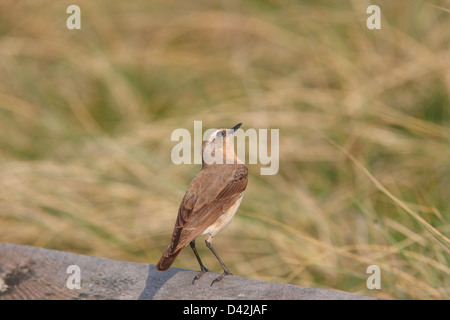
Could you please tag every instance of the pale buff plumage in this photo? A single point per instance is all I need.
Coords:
(211, 200)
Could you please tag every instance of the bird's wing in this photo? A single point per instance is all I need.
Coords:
(209, 195)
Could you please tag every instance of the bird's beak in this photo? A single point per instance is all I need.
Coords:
(233, 130)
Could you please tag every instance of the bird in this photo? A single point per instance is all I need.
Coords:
(211, 200)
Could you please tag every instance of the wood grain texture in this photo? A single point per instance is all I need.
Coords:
(35, 273)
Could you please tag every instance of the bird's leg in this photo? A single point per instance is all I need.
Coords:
(202, 267)
(208, 241)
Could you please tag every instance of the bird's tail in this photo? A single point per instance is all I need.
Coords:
(167, 259)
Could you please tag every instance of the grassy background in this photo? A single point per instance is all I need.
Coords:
(86, 118)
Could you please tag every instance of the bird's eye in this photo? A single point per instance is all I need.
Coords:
(219, 134)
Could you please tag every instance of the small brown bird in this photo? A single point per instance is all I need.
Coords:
(211, 200)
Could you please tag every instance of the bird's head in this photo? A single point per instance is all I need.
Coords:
(218, 147)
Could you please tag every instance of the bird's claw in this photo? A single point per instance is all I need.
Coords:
(221, 277)
(198, 276)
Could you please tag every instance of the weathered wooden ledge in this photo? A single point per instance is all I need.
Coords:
(36, 273)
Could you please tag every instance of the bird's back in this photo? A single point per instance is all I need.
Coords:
(213, 191)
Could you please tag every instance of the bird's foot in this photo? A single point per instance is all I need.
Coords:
(225, 273)
(198, 276)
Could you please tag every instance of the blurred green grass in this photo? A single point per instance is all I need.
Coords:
(86, 118)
